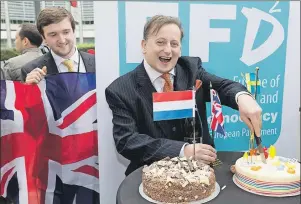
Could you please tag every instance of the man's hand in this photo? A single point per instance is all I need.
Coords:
(250, 113)
(203, 152)
(36, 75)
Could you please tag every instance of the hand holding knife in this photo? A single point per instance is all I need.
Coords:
(260, 148)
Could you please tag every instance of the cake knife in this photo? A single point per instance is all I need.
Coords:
(260, 148)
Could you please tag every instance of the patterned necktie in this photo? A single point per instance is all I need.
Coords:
(69, 64)
(168, 85)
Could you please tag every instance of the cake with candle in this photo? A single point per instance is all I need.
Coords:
(278, 177)
(178, 180)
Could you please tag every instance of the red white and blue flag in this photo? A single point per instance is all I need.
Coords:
(217, 121)
(173, 105)
(48, 144)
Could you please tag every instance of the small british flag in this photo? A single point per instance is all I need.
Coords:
(217, 121)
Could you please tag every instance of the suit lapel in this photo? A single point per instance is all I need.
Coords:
(50, 64)
(146, 90)
(181, 82)
(88, 62)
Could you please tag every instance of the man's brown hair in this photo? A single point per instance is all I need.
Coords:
(154, 24)
(30, 31)
(52, 15)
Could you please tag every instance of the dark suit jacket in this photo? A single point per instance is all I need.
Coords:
(140, 139)
(48, 61)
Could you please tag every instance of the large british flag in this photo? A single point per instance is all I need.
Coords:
(49, 151)
(217, 121)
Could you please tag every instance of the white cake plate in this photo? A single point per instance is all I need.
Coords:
(286, 195)
(212, 196)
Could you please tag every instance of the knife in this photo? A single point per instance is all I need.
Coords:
(260, 148)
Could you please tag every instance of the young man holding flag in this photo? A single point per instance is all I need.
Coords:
(141, 138)
(57, 27)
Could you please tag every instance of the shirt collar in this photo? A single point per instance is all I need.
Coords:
(152, 73)
(58, 59)
(32, 49)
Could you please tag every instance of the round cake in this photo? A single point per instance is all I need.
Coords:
(279, 177)
(178, 180)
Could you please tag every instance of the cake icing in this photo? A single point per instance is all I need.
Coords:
(178, 180)
(280, 176)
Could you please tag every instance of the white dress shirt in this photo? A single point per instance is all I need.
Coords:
(158, 82)
(75, 57)
(155, 77)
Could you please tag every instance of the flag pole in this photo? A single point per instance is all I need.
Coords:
(258, 140)
(217, 161)
(252, 137)
(255, 96)
(213, 132)
(194, 123)
(256, 82)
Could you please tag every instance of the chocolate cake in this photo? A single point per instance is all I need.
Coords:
(178, 180)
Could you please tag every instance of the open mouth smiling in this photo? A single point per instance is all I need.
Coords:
(165, 59)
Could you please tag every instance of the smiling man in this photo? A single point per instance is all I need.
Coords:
(140, 139)
(57, 26)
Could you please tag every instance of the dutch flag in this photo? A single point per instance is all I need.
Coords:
(173, 105)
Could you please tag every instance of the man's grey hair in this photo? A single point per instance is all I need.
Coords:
(154, 24)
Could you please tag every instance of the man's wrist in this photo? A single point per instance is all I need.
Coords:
(242, 93)
(182, 153)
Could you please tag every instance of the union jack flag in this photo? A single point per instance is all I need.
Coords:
(217, 121)
(48, 144)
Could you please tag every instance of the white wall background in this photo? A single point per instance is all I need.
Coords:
(288, 143)
(111, 165)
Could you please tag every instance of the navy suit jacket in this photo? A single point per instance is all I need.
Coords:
(142, 140)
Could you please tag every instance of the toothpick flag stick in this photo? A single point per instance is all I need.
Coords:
(194, 140)
(212, 135)
(256, 82)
